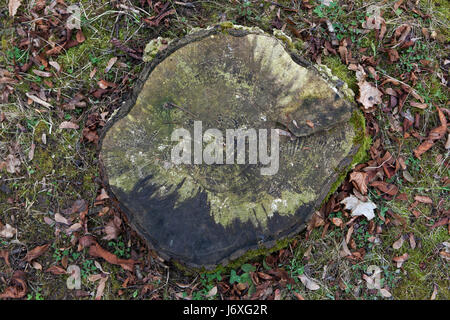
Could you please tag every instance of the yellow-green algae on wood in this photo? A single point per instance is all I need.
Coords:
(207, 214)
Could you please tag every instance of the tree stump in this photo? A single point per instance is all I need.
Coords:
(208, 214)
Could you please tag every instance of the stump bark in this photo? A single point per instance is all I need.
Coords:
(207, 214)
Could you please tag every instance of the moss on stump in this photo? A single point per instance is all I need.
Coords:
(203, 214)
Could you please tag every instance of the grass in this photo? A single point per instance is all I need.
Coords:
(64, 167)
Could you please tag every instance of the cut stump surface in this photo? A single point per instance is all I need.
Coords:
(207, 214)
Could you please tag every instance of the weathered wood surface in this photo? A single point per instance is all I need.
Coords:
(201, 214)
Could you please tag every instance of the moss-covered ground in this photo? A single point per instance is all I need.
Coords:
(59, 166)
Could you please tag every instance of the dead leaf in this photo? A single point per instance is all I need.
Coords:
(55, 65)
(309, 283)
(18, 288)
(212, 292)
(359, 181)
(412, 241)
(86, 241)
(31, 152)
(101, 285)
(423, 199)
(434, 294)
(56, 270)
(398, 244)
(434, 135)
(73, 228)
(36, 252)
(385, 293)
(12, 164)
(385, 187)
(80, 36)
(60, 219)
(13, 5)
(393, 55)
(277, 294)
(112, 229)
(337, 222)
(7, 231)
(418, 105)
(38, 100)
(110, 64)
(309, 123)
(359, 207)
(41, 73)
(102, 196)
(368, 95)
(68, 125)
(4, 254)
(97, 251)
(373, 20)
(345, 252)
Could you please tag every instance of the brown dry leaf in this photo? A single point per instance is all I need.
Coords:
(412, 241)
(434, 135)
(36, 265)
(41, 73)
(391, 92)
(337, 222)
(97, 251)
(7, 231)
(393, 55)
(38, 100)
(385, 187)
(18, 288)
(56, 270)
(73, 228)
(12, 164)
(101, 285)
(368, 95)
(86, 241)
(418, 105)
(309, 283)
(110, 64)
(4, 254)
(13, 5)
(59, 218)
(373, 22)
(423, 199)
(349, 234)
(112, 229)
(80, 36)
(298, 295)
(359, 181)
(398, 244)
(400, 259)
(277, 294)
(68, 125)
(55, 65)
(36, 252)
(49, 221)
(102, 196)
(434, 294)
(309, 123)
(31, 152)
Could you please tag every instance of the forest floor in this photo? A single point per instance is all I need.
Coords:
(62, 238)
